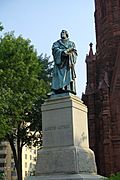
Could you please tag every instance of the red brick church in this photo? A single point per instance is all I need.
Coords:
(102, 94)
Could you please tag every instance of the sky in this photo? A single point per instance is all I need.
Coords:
(41, 21)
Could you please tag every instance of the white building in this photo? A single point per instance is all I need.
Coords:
(29, 156)
(7, 165)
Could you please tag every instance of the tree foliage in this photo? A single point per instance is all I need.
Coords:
(24, 83)
(115, 176)
(1, 26)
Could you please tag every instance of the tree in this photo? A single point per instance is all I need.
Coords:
(23, 88)
(2, 177)
(1, 26)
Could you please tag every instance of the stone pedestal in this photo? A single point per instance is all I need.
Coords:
(65, 154)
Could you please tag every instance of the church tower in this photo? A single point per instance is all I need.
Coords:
(102, 94)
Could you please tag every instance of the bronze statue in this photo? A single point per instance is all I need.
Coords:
(64, 53)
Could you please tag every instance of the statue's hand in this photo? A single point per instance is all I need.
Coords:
(65, 53)
(70, 50)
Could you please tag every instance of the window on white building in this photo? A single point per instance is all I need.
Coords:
(25, 164)
(25, 156)
(25, 173)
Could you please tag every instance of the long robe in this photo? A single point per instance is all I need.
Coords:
(63, 74)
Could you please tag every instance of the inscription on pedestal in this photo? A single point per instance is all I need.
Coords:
(57, 135)
(56, 128)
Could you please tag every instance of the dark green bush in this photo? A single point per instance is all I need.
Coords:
(2, 177)
(115, 176)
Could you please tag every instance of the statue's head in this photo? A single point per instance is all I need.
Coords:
(64, 34)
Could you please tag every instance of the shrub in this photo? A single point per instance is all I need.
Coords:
(115, 176)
